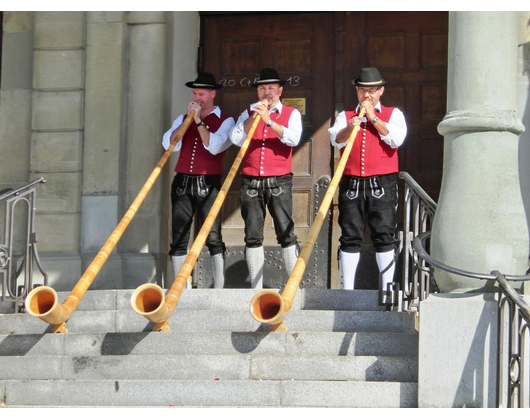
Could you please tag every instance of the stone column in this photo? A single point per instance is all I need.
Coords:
(140, 245)
(523, 111)
(480, 224)
(104, 141)
(57, 137)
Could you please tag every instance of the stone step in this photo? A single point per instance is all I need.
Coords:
(212, 343)
(212, 367)
(309, 299)
(208, 393)
(223, 310)
(341, 350)
(210, 320)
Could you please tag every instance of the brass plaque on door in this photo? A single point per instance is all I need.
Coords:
(298, 103)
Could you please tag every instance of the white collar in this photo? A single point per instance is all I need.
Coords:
(216, 111)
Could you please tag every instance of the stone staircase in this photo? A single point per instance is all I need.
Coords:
(341, 350)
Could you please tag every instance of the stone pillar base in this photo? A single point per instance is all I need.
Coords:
(457, 364)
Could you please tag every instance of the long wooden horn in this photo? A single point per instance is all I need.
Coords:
(42, 301)
(149, 299)
(268, 306)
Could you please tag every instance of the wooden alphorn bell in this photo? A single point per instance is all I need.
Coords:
(43, 302)
(268, 306)
(149, 299)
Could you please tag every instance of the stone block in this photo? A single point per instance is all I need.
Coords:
(98, 220)
(59, 30)
(352, 344)
(143, 393)
(349, 394)
(103, 120)
(142, 234)
(57, 151)
(334, 368)
(104, 17)
(146, 17)
(90, 322)
(15, 136)
(58, 232)
(110, 274)
(17, 60)
(104, 33)
(57, 111)
(32, 345)
(28, 367)
(63, 270)
(174, 343)
(94, 300)
(139, 269)
(115, 16)
(18, 21)
(59, 70)
(60, 193)
(183, 367)
(458, 351)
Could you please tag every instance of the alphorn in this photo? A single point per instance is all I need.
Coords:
(149, 299)
(268, 306)
(43, 302)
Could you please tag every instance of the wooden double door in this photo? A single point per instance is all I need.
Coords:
(318, 54)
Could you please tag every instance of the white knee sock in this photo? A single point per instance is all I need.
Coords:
(176, 263)
(218, 270)
(348, 266)
(383, 260)
(289, 257)
(255, 261)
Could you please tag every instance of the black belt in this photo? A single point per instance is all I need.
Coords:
(192, 184)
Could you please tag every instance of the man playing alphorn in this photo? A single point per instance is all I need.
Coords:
(368, 189)
(267, 177)
(198, 174)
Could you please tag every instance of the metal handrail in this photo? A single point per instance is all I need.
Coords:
(414, 186)
(8, 192)
(513, 380)
(25, 194)
(419, 209)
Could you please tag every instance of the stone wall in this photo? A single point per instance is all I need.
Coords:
(85, 98)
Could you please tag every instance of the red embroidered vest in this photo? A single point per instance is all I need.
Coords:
(266, 154)
(194, 159)
(370, 155)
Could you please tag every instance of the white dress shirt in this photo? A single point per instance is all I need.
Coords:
(291, 134)
(219, 141)
(396, 126)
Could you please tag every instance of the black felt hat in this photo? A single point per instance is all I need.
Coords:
(369, 76)
(204, 81)
(268, 76)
